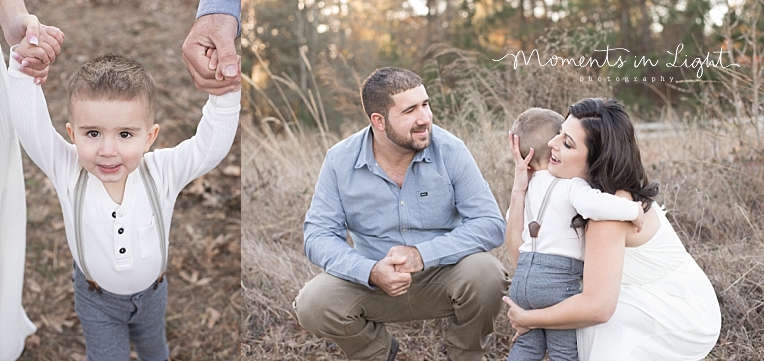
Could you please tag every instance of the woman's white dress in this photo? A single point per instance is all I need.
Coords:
(14, 323)
(667, 308)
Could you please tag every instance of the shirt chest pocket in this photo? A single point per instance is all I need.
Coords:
(149, 239)
(436, 207)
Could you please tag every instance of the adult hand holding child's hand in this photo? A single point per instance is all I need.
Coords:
(213, 31)
(39, 44)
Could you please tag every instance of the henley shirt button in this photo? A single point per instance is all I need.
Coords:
(120, 231)
(401, 202)
(122, 250)
(113, 214)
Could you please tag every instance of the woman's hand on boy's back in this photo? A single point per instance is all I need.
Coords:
(35, 59)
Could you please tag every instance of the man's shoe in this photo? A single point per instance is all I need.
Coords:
(393, 349)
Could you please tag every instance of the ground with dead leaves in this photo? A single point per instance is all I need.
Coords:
(204, 265)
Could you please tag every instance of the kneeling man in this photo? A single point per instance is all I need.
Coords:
(421, 218)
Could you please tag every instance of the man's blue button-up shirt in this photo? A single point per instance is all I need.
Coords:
(444, 208)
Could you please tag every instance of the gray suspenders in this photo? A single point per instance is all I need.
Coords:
(535, 225)
(153, 194)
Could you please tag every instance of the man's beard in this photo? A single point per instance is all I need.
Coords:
(408, 142)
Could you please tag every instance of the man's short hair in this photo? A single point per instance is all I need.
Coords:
(378, 89)
(113, 77)
(536, 127)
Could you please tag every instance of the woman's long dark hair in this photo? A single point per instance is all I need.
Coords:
(614, 160)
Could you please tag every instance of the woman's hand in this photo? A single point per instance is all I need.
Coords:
(523, 172)
(514, 313)
(48, 38)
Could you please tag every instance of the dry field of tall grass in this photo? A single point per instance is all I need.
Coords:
(714, 194)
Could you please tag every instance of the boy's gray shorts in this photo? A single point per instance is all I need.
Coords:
(111, 322)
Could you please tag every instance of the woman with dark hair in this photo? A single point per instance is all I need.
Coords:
(644, 297)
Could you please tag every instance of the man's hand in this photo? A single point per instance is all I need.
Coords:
(413, 260)
(213, 31)
(384, 276)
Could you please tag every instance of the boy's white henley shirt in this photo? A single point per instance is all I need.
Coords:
(120, 241)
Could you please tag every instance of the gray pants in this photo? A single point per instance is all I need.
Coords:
(110, 322)
(542, 280)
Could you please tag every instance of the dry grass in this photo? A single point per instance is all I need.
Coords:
(204, 271)
(713, 193)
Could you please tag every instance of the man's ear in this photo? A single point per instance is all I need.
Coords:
(70, 130)
(152, 136)
(378, 121)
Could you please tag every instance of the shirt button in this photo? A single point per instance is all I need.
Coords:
(122, 250)
(404, 230)
(401, 202)
(121, 230)
(113, 214)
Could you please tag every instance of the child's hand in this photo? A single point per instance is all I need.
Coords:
(35, 59)
(212, 54)
(523, 172)
(640, 220)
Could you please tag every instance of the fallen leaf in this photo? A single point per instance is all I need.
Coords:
(32, 342)
(210, 200)
(190, 278)
(34, 286)
(197, 186)
(214, 317)
(204, 281)
(232, 171)
(57, 322)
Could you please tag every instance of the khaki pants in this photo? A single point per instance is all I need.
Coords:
(354, 316)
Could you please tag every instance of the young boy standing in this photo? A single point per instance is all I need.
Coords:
(549, 257)
(117, 198)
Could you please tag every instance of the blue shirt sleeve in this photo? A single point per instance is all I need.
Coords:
(325, 231)
(230, 7)
(482, 227)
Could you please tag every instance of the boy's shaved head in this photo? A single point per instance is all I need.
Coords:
(113, 78)
(536, 127)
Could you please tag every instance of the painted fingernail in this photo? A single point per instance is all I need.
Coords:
(37, 81)
(33, 40)
(24, 64)
(15, 56)
(230, 70)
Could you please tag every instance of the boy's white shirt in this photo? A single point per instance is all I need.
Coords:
(172, 169)
(570, 197)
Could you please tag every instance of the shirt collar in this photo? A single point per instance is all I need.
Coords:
(366, 154)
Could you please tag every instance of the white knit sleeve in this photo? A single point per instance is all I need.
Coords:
(592, 204)
(29, 112)
(201, 153)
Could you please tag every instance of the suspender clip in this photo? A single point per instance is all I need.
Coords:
(93, 286)
(159, 280)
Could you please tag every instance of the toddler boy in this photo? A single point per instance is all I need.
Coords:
(550, 262)
(117, 197)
